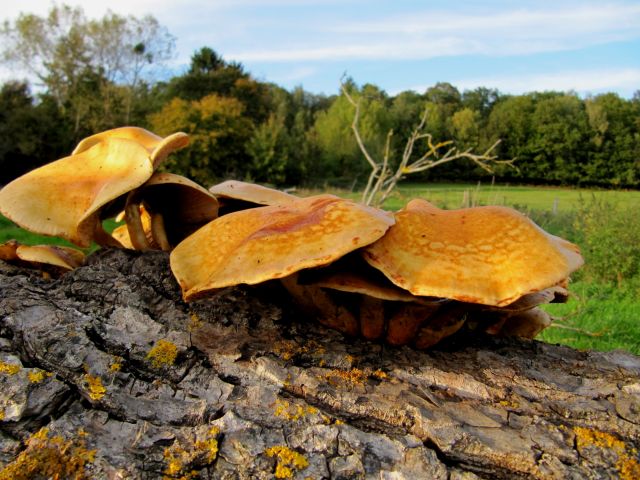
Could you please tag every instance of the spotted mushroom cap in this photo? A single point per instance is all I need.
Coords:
(64, 198)
(159, 148)
(486, 255)
(251, 193)
(264, 243)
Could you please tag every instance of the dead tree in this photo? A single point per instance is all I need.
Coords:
(384, 176)
(107, 373)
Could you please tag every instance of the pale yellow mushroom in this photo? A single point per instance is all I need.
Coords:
(58, 257)
(157, 147)
(65, 198)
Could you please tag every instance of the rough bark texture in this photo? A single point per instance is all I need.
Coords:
(110, 359)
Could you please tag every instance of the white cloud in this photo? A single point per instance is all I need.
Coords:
(427, 34)
(580, 81)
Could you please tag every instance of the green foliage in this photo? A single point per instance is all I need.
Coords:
(30, 134)
(92, 68)
(340, 157)
(610, 238)
(217, 130)
(97, 74)
(597, 316)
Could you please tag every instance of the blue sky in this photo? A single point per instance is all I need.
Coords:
(585, 46)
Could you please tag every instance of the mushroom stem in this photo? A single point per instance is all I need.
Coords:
(371, 317)
(134, 225)
(316, 300)
(405, 323)
(159, 232)
(445, 322)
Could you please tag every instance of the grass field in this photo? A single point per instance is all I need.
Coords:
(602, 314)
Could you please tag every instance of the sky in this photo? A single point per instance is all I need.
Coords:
(588, 47)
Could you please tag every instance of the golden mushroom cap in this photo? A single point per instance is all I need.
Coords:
(252, 193)
(157, 147)
(264, 243)
(64, 257)
(486, 255)
(64, 198)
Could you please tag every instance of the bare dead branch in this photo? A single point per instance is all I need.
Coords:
(382, 182)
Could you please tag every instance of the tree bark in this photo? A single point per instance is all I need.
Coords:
(111, 360)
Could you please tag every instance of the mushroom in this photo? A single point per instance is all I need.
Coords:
(70, 197)
(66, 258)
(383, 310)
(525, 324)
(65, 198)
(174, 207)
(265, 243)
(51, 257)
(235, 195)
(484, 255)
(159, 148)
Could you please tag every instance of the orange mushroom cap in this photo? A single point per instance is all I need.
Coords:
(64, 198)
(264, 243)
(486, 255)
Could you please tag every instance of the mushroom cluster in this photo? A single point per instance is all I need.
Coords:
(412, 277)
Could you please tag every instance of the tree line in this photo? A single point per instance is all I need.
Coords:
(98, 74)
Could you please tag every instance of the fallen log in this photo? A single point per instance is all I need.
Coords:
(107, 373)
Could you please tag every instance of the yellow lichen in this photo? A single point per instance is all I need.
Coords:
(194, 322)
(287, 349)
(162, 353)
(9, 368)
(293, 412)
(287, 461)
(509, 403)
(94, 387)
(37, 375)
(116, 364)
(627, 465)
(180, 457)
(1, 414)
(49, 457)
(355, 376)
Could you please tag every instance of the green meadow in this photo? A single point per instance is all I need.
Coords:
(603, 312)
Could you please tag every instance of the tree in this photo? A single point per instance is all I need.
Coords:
(614, 141)
(339, 153)
(64, 49)
(385, 175)
(30, 134)
(559, 138)
(218, 132)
